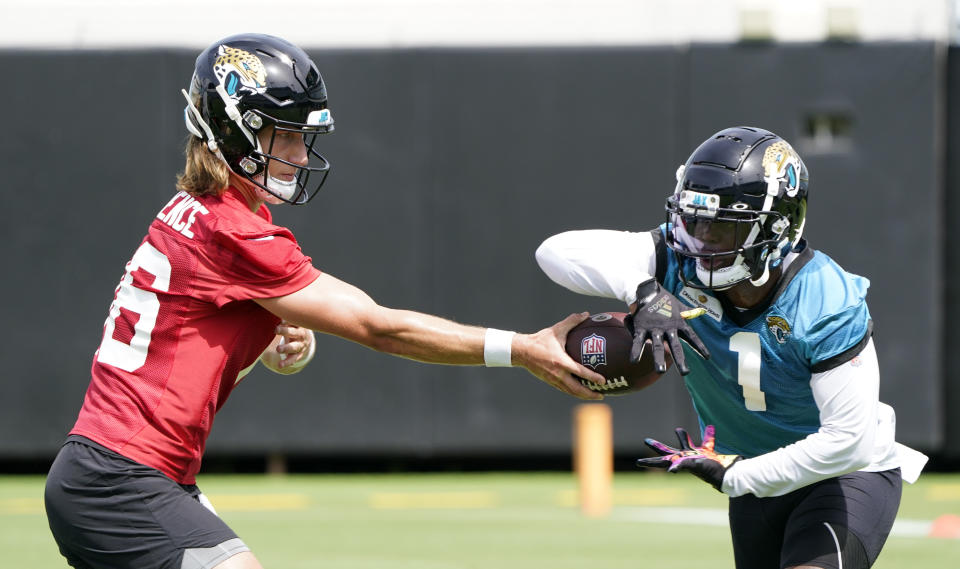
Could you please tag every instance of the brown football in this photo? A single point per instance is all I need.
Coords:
(602, 342)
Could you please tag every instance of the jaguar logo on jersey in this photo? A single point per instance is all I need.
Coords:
(239, 71)
(593, 351)
(779, 327)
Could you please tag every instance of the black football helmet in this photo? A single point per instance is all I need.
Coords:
(738, 208)
(248, 82)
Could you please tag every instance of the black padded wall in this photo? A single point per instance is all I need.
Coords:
(449, 168)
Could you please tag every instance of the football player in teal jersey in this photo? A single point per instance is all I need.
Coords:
(781, 366)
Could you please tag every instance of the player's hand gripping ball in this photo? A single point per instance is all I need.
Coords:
(602, 343)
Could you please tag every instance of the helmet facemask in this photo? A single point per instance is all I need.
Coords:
(728, 245)
(255, 165)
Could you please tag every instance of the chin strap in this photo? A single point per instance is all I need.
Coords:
(764, 277)
(230, 106)
(773, 190)
(191, 109)
(206, 134)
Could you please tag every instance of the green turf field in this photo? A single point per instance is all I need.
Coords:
(479, 521)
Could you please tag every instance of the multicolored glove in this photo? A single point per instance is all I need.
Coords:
(659, 313)
(701, 461)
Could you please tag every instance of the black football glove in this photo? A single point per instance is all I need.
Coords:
(659, 313)
(702, 461)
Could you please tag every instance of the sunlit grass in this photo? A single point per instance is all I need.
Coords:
(477, 521)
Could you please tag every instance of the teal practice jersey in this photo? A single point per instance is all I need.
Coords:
(755, 388)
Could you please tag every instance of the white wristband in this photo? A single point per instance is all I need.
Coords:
(497, 345)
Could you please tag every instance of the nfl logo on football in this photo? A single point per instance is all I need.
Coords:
(593, 351)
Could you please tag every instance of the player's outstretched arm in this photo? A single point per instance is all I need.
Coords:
(332, 306)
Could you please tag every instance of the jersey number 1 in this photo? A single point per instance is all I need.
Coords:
(747, 346)
(143, 303)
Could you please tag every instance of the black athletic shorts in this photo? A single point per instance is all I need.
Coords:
(837, 523)
(106, 510)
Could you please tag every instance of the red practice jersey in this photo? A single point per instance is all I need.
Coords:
(183, 330)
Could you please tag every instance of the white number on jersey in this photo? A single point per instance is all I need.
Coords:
(130, 357)
(747, 346)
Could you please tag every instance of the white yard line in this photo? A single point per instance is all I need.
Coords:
(716, 517)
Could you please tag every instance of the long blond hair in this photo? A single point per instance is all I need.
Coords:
(205, 174)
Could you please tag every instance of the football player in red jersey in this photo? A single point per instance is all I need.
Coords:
(213, 288)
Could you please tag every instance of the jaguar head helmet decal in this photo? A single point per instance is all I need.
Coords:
(782, 167)
(239, 71)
